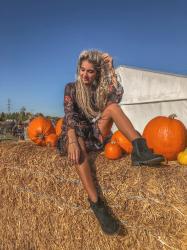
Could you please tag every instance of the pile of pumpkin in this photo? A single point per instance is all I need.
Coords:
(43, 133)
(165, 135)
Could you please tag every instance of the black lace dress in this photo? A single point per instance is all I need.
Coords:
(75, 118)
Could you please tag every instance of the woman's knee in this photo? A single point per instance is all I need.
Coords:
(109, 111)
(113, 106)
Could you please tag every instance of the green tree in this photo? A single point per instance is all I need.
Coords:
(2, 117)
(22, 114)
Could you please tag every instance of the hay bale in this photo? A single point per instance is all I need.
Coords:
(43, 204)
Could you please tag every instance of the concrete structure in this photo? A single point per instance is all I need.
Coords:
(148, 94)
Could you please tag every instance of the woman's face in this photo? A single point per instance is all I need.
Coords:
(87, 72)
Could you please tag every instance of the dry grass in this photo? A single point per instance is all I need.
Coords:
(43, 204)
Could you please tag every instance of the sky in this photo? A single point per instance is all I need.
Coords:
(40, 41)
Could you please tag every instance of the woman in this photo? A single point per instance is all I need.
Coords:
(91, 107)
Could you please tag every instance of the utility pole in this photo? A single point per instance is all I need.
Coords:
(9, 105)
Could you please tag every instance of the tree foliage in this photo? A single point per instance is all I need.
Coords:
(22, 116)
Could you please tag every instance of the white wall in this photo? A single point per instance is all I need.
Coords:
(148, 94)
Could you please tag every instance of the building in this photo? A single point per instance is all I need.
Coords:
(148, 94)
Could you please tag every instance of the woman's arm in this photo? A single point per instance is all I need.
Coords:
(115, 93)
(115, 90)
(69, 110)
(73, 146)
(72, 137)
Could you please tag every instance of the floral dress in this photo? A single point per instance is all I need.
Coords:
(84, 127)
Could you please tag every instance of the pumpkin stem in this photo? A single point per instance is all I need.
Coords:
(172, 116)
(41, 136)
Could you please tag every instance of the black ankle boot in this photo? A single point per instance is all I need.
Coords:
(142, 155)
(108, 224)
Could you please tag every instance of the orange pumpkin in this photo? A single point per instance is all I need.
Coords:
(58, 126)
(51, 140)
(112, 151)
(166, 136)
(122, 141)
(39, 128)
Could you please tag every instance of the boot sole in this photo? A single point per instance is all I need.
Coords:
(112, 233)
(152, 162)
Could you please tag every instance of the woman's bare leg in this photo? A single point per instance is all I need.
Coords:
(107, 222)
(113, 112)
(84, 172)
(141, 154)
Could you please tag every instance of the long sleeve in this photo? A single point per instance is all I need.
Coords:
(71, 117)
(115, 89)
(115, 93)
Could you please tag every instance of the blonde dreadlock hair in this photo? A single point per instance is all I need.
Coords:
(103, 79)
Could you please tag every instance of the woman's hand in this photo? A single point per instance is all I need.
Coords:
(107, 59)
(74, 152)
